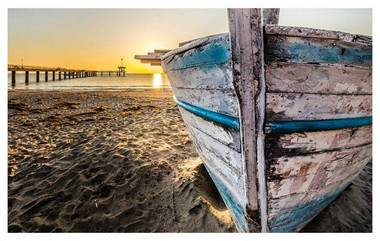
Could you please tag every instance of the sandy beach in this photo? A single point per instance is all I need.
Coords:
(123, 161)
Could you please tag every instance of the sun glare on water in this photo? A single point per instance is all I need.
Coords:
(157, 81)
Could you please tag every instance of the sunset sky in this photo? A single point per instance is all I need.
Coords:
(98, 38)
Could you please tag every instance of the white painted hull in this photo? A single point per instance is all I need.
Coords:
(318, 133)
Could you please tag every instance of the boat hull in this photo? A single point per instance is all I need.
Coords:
(318, 134)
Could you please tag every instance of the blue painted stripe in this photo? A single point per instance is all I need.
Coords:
(316, 125)
(280, 127)
(315, 52)
(222, 119)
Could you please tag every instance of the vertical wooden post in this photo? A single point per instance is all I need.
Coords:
(13, 78)
(109, 73)
(26, 77)
(37, 76)
(59, 75)
(248, 72)
(53, 75)
(46, 76)
(271, 15)
(64, 75)
(101, 73)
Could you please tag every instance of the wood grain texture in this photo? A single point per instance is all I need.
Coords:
(271, 15)
(291, 212)
(238, 211)
(225, 162)
(292, 167)
(210, 50)
(221, 101)
(226, 136)
(352, 39)
(291, 106)
(308, 142)
(318, 78)
(313, 50)
(294, 218)
(203, 77)
(247, 61)
(285, 203)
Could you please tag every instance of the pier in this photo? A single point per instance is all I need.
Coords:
(152, 58)
(60, 73)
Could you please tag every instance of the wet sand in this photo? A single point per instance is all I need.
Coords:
(122, 161)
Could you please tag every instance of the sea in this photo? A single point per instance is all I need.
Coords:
(105, 82)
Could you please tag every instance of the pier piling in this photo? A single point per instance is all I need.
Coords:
(46, 76)
(37, 76)
(13, 78)
(59, 75)
(53, 75)
(26, 77)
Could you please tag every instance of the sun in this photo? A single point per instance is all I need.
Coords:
(157, 81)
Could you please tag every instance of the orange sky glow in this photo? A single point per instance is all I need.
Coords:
(98, 38)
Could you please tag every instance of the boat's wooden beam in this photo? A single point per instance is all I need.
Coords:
(151, 61)
(271, 15)
(152, 58)
(161, 51)
(246, 31)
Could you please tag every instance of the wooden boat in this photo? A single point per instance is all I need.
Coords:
(281, 116)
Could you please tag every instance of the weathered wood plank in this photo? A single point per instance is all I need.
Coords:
(302, 143)
(294, 218)
(227, 136)
(238, 211)
(303, 165)
(318, 78)
(225, 162)
(271, 15)
(295, 210)
(312, 50)
(221, 101)
(352, 39)
(247, 60)
(281, 204)
(203, 77)
(285, 203)
(210, 50)
(294, 106)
